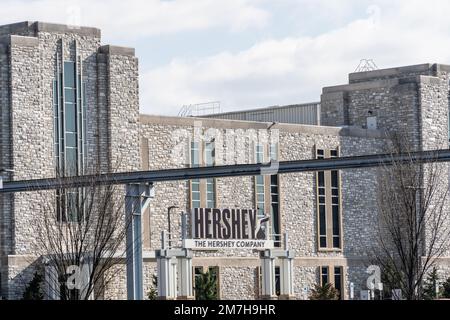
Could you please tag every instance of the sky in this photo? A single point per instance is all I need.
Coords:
(252, 53)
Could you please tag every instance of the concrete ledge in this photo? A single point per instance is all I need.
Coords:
(241, 124)
(64, 28)
(37, 26)
(116, 50)
(389, 72)
(338, 95)
(429, 80)
(21, 41)
(375, 84)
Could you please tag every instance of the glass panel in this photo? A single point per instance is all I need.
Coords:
(260, 180)
(195, 159)
(195, 185)
(321, 178)
(324, 271)
(259, 153)
(69, 95)
(322, 221)
(320, 154)
(322, 198)
(336, 220)
(274, 180)
(210, 185)
(69, 74)
(337, 279)
(70, 117)
(323, 241)
(277, 281)
(71, 139)
(71, 161)
(336, 242)
(334, 179)
(195, 196)
(333, 153)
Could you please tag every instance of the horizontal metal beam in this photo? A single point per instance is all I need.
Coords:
(226, 171)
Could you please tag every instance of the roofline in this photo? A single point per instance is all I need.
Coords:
(243, 124)
(39, 26)
(396, 71)
(277, 107)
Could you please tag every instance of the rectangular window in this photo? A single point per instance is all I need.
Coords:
(69, 129)
(333, 275)
(267, 192)
(328, 192)
(203, 191)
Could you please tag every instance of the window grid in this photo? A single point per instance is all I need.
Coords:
(267, 191)
(328, 204)
(333, 275)
(203, 191)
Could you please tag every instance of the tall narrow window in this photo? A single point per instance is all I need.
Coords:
(333, 275)
(328, 204)
(203, 191)
(69, 130)
(267, 191)
(210, 183)
(195, 183)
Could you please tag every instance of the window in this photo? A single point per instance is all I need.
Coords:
(69, 107)
(277, 275)
(203, 191)
(333, 275)
(267, 191)
(328, 193)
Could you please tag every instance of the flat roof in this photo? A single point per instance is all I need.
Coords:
(277, 107)
(39, 26)
(243, 124)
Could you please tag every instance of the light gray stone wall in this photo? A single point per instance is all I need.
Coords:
(297, 194)
(27, 68)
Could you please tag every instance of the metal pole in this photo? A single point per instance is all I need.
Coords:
(137, 200)
(227, 171)
(168, 221)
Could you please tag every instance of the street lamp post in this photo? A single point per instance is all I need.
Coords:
(168, 220)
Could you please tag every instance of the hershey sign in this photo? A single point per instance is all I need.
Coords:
(227, 228)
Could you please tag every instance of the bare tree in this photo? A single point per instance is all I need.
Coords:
(413, 219)
(79, 235)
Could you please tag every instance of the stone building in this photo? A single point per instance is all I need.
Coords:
(69, 103)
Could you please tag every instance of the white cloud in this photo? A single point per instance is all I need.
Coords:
(140, 18)
(294, 69)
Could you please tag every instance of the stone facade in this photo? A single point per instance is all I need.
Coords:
(298, 214)
(28, 67)
(413, 99)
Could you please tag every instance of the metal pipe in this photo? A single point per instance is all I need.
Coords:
(227, 171)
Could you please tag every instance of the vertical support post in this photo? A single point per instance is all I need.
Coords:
(185, 277)
(286, 287)
(136, 201)
(164, 274)
(268, 276)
